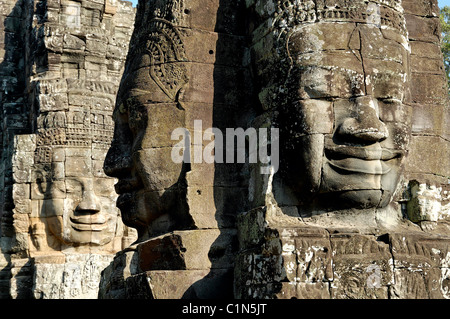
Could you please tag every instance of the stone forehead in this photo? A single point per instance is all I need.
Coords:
(316, 37)
(291, 13)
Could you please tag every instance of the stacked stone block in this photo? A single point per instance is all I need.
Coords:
(199, 77)
(430, 127)
(73, 54)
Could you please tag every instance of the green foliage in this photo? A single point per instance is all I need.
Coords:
(445, 42)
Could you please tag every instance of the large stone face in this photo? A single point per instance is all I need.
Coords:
(184, 71)
(345, 80)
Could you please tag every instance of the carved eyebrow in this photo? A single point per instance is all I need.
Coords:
(72, 183)
(390, 100)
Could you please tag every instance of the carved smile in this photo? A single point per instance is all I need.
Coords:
(89, 223)
(356, 165)
(361, 160)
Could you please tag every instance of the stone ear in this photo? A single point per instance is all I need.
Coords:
(41, 181)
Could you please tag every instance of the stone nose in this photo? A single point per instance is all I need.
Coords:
(364, 124)
(118, 160)
(89, 202)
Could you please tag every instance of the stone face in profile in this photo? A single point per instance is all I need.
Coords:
(342, 102)
(148, 109)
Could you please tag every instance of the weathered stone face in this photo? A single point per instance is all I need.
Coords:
(86, 215)
(346, 126)
(148, 110)
(335, 78)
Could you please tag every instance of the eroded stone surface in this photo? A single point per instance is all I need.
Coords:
(59, 213)
(342, 81)
(359, 207)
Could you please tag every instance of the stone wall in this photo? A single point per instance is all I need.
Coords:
(60, 72)
(427, 170)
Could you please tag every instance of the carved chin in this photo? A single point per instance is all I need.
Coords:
(367, 185)
(85, 235)
(140, 208)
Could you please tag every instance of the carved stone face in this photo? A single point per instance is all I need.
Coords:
(145, 170)
(145, 116)
(81, 210)
(88, 210)
(346, 125)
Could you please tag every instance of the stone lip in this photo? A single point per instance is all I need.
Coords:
(364, 153)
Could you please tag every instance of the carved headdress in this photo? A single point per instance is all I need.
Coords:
(381, 13)
(67, 130)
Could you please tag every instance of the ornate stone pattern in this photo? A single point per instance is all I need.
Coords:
(341, 79)
(165, 47)
(289, 14)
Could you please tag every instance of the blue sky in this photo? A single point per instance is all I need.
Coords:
(442, 3)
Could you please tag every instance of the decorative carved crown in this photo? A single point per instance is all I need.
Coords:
(70, 136)
(383, 13)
